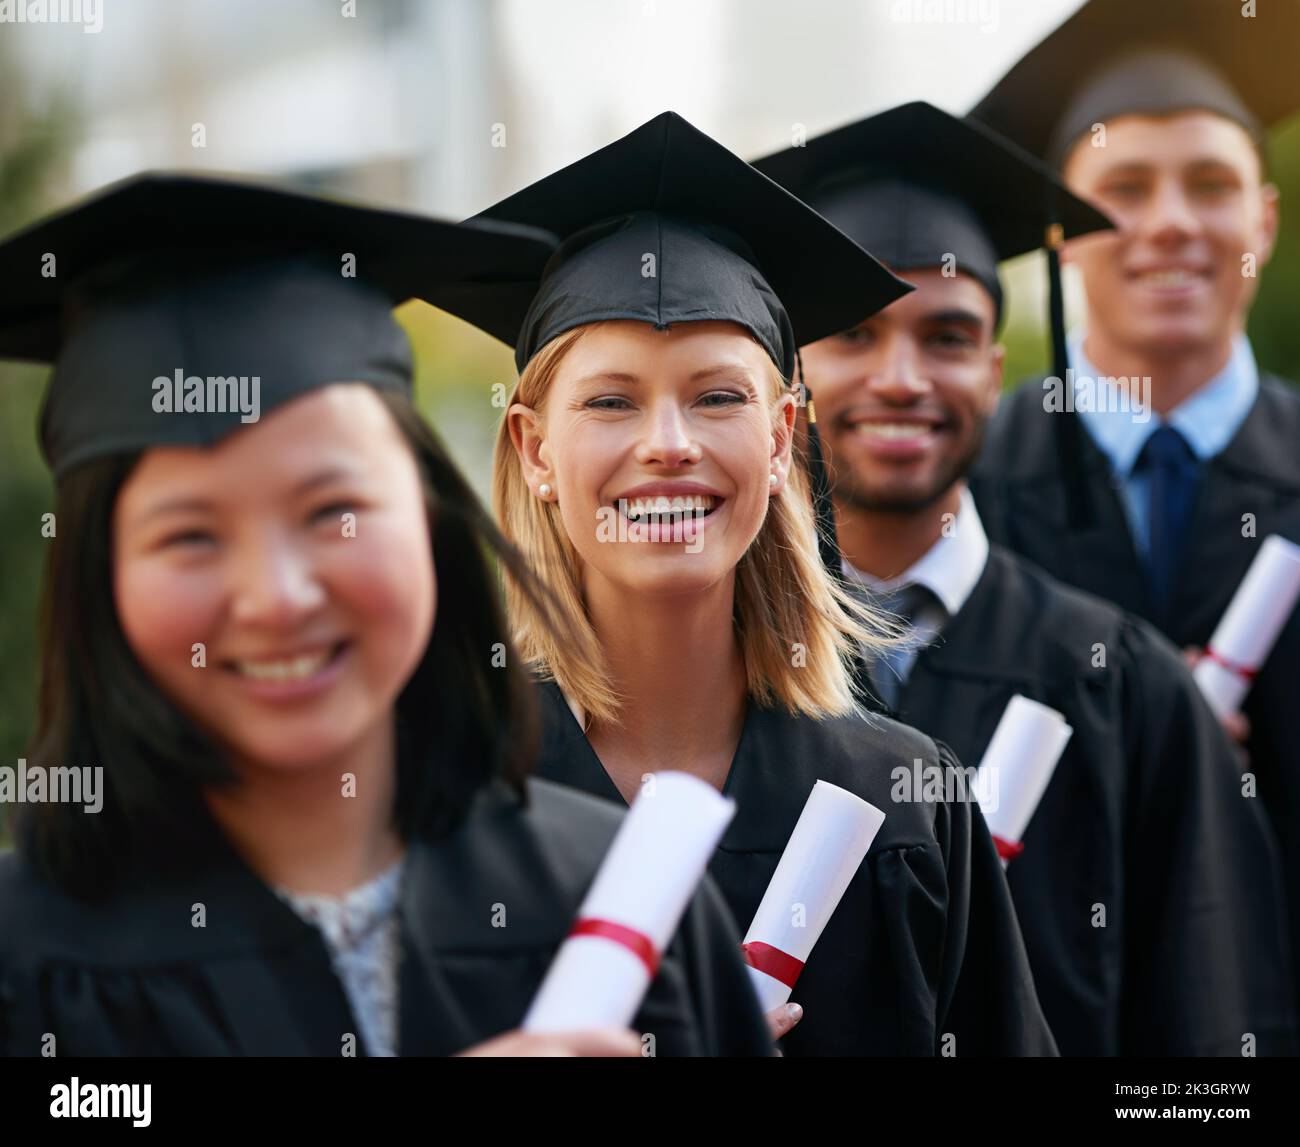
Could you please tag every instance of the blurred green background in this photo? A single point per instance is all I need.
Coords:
(32, 141)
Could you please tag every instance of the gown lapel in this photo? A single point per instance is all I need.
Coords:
(266, 969)
(953, 673)
(1256, 474)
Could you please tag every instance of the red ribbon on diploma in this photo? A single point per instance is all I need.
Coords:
(1007, 849)
(638, 943)
(772, 962)
(1245, 672)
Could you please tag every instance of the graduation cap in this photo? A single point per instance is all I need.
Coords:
(918, 186)
(189, 281)
(1116, 57)
(667, 226)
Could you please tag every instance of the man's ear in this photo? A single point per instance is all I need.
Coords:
(527, 435)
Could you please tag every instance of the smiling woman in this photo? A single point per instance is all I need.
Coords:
(733, 662)
(705, 415)
(283, 644)
(234, 549)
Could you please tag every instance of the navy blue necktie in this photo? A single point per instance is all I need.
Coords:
(1173, 473)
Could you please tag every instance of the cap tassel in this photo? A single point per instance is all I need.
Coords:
(1079, 510)
(828, 544)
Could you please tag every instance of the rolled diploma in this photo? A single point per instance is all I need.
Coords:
(833, 834)
(1250, 625)
(1017, 766)
(644, 884)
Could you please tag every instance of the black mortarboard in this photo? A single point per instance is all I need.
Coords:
(211, 279)
(1156, 56)
(917, 187)
(667, 226)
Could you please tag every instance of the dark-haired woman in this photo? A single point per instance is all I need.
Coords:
(272, 626)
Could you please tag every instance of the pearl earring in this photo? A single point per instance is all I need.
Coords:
(772, 480)
(544, 490)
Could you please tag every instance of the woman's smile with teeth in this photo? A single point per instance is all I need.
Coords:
(636, 508)
(286, 669)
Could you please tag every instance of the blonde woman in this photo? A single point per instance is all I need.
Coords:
(647, 468)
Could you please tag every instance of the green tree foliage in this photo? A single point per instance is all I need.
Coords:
(31, 145)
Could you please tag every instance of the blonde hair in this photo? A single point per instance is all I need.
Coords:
(799, 628)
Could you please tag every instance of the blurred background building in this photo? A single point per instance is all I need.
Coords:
(445, 106)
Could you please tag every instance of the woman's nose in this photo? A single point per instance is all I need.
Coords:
(275, 584)
(667, 439)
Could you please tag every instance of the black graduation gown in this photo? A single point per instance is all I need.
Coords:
(1144, 816)
(1018, 488)
(924, 943)
(132, 977)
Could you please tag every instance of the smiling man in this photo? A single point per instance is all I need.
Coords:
(1164, 131)
(1147, 888)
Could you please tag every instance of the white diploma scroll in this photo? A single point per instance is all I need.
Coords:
(832, 836)
(1250, 625)
(602, 970)
(1017, 767)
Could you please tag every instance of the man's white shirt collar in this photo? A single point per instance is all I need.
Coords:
(950, 568)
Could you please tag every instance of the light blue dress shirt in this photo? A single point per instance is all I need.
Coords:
(1208, 419)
